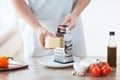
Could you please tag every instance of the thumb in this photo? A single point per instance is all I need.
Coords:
(66, 21)
(72, 25)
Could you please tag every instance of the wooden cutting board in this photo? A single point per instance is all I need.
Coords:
(14, 65)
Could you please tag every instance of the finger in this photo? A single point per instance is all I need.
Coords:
(66, 20)
(62, 28)
(72, 26)
(45, 48)
(42, 41)
(42, 44)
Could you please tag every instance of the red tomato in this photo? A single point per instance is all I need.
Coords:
(106, 63)
(92, 66)
(96, 71)
(106, 70)
(101, 64)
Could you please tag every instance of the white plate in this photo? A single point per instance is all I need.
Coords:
(48, 61)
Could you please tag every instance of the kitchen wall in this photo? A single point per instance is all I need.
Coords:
(99, 18)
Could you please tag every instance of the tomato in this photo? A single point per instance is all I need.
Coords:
(106, 69)
(106, 63)
(101, 68)
(96, 71)
(92, 66)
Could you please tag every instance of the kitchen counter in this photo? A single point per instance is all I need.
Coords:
(35, 71)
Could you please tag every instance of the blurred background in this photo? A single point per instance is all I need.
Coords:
(10, 40)
(98, 19)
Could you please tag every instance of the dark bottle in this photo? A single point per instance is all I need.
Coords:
(112, 50)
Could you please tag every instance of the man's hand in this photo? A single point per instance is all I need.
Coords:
(41, 34)
(70, 20)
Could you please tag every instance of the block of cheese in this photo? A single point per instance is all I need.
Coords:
(54, 42)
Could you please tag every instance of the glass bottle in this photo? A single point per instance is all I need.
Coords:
(112, 50)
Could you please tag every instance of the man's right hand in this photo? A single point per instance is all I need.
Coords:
(41, 34)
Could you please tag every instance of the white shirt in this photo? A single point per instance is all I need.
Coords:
(50, 14)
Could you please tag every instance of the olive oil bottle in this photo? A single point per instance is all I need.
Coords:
(112, 50)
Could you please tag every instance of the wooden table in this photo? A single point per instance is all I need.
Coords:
(36, 71)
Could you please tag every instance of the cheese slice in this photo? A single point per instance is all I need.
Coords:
(54, 42)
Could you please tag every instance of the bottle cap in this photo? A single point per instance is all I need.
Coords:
(112, 33)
